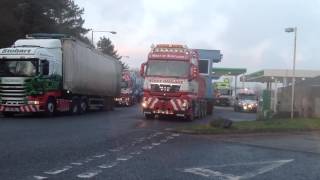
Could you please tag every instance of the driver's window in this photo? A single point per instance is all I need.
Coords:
(45, 67)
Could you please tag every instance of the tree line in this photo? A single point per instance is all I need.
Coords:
(21, 17)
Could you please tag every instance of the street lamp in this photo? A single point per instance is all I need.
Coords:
(290, 30)
(93, 31)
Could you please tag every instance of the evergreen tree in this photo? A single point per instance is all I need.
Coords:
(105, 46)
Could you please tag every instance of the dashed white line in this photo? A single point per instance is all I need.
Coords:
(58, 171)
(116, 149)
(147, 147)
(170, 137)
(163, 141)
(136, 153)
(175, 134)
(89, 174)
(99, 156)
(40, 177)
(88, 160)
(108, 165)
(156, 144)
(76, 163)
(124, 158)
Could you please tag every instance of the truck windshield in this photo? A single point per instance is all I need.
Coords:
(247, 97)
(168, 68)
(17, 67)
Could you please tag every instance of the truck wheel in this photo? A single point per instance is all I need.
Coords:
(83, 106)
(50, 107)
(149, 116)
(190, 117)
(8, 114)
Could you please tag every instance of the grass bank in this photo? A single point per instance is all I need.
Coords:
(275, 125)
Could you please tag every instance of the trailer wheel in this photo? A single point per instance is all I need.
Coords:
(50, 107)
(75, 107)
(8, 114)
(83, 106)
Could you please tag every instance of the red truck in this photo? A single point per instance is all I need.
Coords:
(131, 88)
(172, 84)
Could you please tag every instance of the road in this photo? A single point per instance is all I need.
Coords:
(122, 145)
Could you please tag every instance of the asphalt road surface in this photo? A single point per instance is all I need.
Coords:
(122, 145)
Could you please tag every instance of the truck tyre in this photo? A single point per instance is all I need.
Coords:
(190, 117)
(149, 116)
(83, 106)
(50, 107)
(8, 114)
(75, 106)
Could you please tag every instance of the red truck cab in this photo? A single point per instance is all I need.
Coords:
(172, 84)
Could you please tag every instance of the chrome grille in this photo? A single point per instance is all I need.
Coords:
(12, 94)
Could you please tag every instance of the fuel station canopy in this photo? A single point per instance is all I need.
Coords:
(218, 72)
(278, 75)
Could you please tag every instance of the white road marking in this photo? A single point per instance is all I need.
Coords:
(175, 134)
(206, 172)
(156, 144)
(40, 177)
(267, 168)
(163, 141)
(136, 152)
(108, 165)
(89, 174)
(124, 158)
(76, 163)
(87, 160)
(58, 171)
(116, 149)
(159, 133)
(170, 137)
(99, 156)
(147, 147)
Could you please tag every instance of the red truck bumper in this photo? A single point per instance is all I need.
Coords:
(22, 108)
(173, 106)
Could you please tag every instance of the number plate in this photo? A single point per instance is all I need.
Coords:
(12, 109)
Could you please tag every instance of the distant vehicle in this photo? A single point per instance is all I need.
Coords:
(131, 88)
(51, 73)
(222, 93)
(246, 100)
(173, 85)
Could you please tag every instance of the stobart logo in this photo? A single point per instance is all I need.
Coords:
(16, 51)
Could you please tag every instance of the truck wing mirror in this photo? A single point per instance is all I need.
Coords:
(142, 69)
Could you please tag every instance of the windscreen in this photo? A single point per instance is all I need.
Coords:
(16, 68)
(168, 68)
(247, 97)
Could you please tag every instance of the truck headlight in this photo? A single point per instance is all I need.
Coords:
(144, 104)
(34, 102)
(185, 105)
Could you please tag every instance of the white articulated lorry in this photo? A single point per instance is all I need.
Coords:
(50, 73)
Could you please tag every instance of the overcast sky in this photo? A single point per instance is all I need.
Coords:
(249, 33)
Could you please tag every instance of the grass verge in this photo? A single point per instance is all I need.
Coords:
(275, 125)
